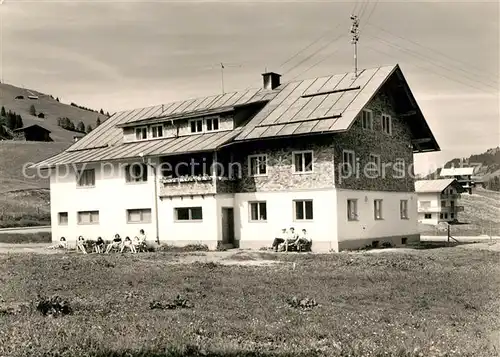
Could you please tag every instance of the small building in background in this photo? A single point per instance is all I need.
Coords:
(437, 200)
(463, 175)
(33, 132)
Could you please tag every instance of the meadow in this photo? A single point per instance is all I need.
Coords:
(436, 302)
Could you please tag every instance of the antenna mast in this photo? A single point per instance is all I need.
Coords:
(222, 76)
(354, 41)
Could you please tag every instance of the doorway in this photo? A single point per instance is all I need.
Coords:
(227, 225)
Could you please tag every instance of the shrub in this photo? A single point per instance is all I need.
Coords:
(186, 248)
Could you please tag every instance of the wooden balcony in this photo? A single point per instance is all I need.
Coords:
(433, 209)
(195, 185)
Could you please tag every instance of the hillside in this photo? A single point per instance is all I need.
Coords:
(487, 167)
(15, 154)
(50, 107)
(481, 212)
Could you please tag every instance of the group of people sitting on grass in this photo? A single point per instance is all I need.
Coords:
(138, 243)
(289, 240)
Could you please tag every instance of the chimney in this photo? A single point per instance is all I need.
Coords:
(271, 80)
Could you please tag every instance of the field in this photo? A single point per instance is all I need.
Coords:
(50, 107)
(481, 211)
(439, 302)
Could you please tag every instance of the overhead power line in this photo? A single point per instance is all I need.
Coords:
(430, 70)
(433, 61)
(433, 50)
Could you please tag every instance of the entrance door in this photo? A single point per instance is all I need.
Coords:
(227, 225)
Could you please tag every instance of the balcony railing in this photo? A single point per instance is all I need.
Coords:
(434, 209)
(195, 185)
(453, 196)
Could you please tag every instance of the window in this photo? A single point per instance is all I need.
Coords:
(88, 217)
(257, 165)
(374, 164)
(303, 210)
(212, 124)
(403, 208)
(196, 126)
(386, 124)
(348, 162)
(139, 215)
(428, 216)
(352, 210)
(86, 178)
(63, 218)
(452, 215)
(377, 209)
(141, 133)
(441, 216)
(367, 119)
(303, 161)
(443, 203)
(258, 211)
(188, 214)
(446, 216)
(136, 173)
(157, 131)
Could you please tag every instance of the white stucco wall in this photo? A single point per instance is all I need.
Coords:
(434, 208)
(367, 227)
(280, 214)
(189, 232)
(111, 196)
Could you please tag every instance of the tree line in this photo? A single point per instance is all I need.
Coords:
(11, 120)
(68, 124)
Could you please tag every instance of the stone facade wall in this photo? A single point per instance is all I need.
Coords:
(280, 174)
(390, 147)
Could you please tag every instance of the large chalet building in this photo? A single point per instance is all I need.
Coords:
(236, 168)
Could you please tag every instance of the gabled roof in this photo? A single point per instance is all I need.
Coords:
(436, 186)
(456, 171)
(332, 104)
(31, 126)
(317, 105)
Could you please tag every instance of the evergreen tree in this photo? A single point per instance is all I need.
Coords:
(11, 120)
(97, 122)
(107, 114)
(101, 112)
(80, 127)
(19, 121)
(71, 125)
(57, 99)
(2, 112)
(89, 128)
(32, 110)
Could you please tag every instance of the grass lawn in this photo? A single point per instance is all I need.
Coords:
(440, 302)
(23, 238)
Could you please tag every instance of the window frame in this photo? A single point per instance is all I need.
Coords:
(190, 214)
(144, 177)
(60, 223)
(141, 210)
(304, 202)
(428, 214)
(153, 127)
(348, 152)
(368, 111)
(78, 220)
(79, 176)
(388, 129)
(250, 157)
(355, 217)
(378, 163)
(211, 120)
(380, 209)
(142, 128)
(403, 209)
(259, 212)
(303, 153)
(196, 121)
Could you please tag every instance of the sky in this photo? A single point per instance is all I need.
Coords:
(120, 55)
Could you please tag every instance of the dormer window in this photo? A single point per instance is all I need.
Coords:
(141, 133)
(212, 124)
(196, 125)
(157, 131)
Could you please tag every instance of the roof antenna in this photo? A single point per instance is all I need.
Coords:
(222, 76)
(354, 41)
